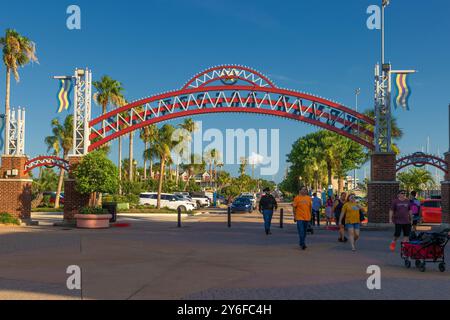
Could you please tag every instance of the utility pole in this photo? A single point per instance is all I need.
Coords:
(357, 93)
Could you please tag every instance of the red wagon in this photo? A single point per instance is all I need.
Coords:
(428, 248)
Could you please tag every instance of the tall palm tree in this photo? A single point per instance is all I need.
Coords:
(148, 135)
(61, 143)
(190, 126)
(397, 132)
(18, 51)
(110, 92)
(163, 147)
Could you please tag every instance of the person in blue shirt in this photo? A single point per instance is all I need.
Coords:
(316, 206)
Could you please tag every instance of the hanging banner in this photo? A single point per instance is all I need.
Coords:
(403, 91)
(63, 97)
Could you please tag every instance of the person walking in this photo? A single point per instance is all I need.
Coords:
(400, 214)
(316, 206)
(337, 209)
(329, 210)
(415, 209)
(302, 214)
(351, 218)
(267, 205)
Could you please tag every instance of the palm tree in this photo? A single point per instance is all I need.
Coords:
(61, 143)
(396, 132)
(18, 51)
(148, 135)
(163, 146)
(416, 179)
(190, 126)
(110, 91)
(243, 166)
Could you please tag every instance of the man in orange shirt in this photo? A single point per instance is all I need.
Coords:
(302, 214)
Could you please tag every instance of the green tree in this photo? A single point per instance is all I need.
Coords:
(148, 135)
(96, 174)
(18, 51)
(110, 92)
(163, 146)
(47, 181)
(396, 131)
(416, 179)
(61, 142)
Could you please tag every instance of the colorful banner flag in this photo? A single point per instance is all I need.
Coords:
(403, 91)
(2, 130)
(65, 88)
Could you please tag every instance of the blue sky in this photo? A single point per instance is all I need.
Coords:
(322, 47)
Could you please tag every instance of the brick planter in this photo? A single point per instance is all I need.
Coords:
(93, 221)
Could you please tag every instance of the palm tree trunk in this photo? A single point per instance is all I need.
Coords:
(330, 174)
(7, 105)
(120, 165)
(145, 162)
(151, 161)
(161, 179)
(58, 190)
(130, 168)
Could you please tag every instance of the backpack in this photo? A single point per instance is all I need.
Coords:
(415, 207)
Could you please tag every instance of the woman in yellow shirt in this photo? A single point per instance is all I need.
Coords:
(351, 213)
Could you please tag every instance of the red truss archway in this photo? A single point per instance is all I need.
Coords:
(46, 161)
(236, 89)
(421, 159)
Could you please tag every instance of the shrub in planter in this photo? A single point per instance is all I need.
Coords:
(93, 218)
(6, 218)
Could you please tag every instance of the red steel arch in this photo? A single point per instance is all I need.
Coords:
(200, 96)
(46, 161)
(420, 159)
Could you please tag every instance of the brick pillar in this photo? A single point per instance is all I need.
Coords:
(15, 188)
(445, 192)
(383, 187)
(73, 200)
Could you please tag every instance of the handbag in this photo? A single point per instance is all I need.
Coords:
(362, 217)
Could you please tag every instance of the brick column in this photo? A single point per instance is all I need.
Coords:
(383, 187)
(73, 200)
(15, 188)
(445, 192)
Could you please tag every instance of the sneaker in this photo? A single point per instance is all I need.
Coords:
(304, 247)
(392, 245)
(345, 239)
(340, 240)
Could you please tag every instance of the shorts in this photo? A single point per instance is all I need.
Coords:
(355, 226)
(405, 228)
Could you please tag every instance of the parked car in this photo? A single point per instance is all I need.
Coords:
(249, 196)
(242, 205)
(431, 211)
(186, 198)
(167, 201)
(201, 200)
(52, 195)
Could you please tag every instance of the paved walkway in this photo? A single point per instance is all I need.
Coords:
(152, 259)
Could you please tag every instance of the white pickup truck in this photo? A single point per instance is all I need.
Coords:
(201, 200)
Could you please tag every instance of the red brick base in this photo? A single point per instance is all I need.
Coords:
(73, 200)
(15, 192)
(383, 187)
(379, 197)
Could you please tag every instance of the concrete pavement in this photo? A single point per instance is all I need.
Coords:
(152, 259)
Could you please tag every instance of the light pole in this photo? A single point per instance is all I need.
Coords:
(357, 93)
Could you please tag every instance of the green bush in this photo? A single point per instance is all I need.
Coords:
(6, 218)
(93, 210)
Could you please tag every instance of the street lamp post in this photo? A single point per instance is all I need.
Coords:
(357, 93)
